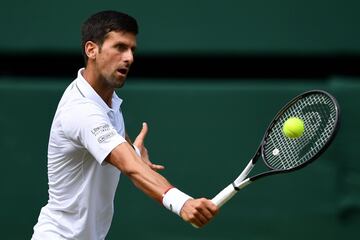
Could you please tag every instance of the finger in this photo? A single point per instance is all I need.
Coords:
(157, 167)
(143, 131)
(207, 213)
(195, 221)
(211, 209)
(195, 226)
(202, 218)
(154, 166)
(199, 218)
(139, 140)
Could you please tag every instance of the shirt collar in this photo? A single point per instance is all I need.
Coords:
(87, 91)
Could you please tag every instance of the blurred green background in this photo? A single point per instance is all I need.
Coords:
(204, 130)
(186, 26)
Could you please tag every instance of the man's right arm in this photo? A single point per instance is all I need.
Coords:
(196, 211)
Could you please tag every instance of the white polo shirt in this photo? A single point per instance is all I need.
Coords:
(81, 185)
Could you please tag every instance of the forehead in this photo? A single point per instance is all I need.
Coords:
(120, 37)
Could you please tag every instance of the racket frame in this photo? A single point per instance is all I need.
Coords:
(241, 181)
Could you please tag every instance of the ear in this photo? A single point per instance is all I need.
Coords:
(91, 49)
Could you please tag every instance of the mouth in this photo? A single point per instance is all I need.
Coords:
(123, 71)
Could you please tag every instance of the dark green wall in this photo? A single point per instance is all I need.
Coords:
(257, 26)
(204, 132)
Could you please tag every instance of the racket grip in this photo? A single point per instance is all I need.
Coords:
(222, 197)
(225, 195)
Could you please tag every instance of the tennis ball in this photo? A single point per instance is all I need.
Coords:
(293, 127)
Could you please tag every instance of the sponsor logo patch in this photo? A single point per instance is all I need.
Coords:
(105, 137)
(103, 132)
(101, 129)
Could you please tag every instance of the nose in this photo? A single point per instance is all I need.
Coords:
(129, 56)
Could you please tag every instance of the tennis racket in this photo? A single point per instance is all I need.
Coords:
(320, 112)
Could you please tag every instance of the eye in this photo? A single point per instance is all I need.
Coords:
(121, 47)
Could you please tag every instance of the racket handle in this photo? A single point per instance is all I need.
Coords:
(225, 195)
(222, 197)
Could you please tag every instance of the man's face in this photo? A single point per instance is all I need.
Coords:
(115, 57)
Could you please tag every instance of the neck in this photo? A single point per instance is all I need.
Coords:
(98, 84)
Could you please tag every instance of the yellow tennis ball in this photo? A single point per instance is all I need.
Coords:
(293, 127)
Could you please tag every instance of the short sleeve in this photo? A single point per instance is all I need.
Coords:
(89, 126)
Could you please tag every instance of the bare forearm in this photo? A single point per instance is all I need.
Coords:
(149, 181)
(142, 173)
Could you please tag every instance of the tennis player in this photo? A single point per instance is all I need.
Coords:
(89, 149)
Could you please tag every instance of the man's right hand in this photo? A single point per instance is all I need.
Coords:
(198, 211)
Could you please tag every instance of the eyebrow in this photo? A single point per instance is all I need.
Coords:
(122, 44)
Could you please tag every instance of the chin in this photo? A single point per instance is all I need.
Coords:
(119, 84)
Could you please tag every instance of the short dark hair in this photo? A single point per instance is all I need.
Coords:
(97, 26)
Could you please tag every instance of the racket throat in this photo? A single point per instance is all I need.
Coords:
(242, 184)
(238, 181)
(227, 193)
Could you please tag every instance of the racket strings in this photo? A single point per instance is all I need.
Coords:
(318, 111)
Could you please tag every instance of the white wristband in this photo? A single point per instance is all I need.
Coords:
(137, 150)
(174, 200)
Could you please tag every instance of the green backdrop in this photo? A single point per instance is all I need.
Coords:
(204, 132)
(203, 26)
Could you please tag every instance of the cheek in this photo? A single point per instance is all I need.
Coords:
(104, 61)
(110, 59)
